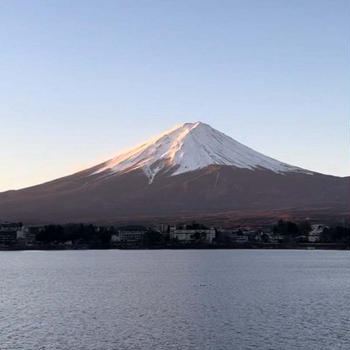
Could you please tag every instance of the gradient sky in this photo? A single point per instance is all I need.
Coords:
(83, 80)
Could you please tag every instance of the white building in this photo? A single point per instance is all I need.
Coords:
(130, 233)
(131, 236)
(315, 233)
(29, 233)
(190, 234)
(8, 234)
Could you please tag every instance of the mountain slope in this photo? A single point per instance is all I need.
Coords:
(189, 171)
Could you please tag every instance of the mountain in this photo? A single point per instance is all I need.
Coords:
(190, 171)
(190, 147)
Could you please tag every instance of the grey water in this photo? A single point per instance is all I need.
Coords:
(174, 299)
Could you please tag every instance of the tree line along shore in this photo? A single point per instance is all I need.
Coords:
(282, 235)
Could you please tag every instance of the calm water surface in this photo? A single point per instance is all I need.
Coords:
(173, 299)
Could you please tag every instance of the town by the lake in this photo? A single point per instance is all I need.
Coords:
(282, 235)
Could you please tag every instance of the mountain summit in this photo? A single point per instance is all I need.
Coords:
(189, 147)
(190, 172)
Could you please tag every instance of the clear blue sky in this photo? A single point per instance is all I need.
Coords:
(83, 80)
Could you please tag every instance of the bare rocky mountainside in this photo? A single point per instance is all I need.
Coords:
(189, 172)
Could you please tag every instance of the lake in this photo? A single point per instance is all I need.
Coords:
(174, 299)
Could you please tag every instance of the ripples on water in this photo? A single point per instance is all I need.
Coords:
(173, 299)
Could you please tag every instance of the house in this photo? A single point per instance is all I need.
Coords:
(302, 239)
(239, 238)
(163, 228)
(192, 233)
(315, 233)
(262, 235)
(277, 238)
(234, 235)
(27, 234)
(8, 234)
(132, 234)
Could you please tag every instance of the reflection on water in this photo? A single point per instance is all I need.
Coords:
(173, 299)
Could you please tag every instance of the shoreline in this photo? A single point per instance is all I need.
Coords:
(320, 246)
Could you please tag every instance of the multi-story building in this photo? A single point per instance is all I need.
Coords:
(315, 233)
(8, 234)
(132, 234)
(187, 233)
(27, 234)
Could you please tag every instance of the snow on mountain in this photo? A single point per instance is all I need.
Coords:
(189, 147)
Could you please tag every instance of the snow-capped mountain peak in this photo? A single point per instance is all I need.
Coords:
(189, 147)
